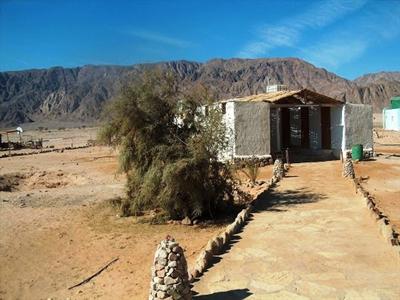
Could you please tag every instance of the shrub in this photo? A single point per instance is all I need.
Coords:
(251, 169)
(168, 147)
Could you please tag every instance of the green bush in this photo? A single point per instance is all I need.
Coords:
(168, 148)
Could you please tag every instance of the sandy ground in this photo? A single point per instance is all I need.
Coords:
(383, 173)
(386, 141)
(383, 182)
(54, 138)
(310, 238)
(57, 228)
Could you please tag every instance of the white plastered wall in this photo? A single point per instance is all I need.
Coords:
(391, 119)
(337, 127)
(358, 125)
(229, 121)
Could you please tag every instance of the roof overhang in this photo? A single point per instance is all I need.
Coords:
(302, 97)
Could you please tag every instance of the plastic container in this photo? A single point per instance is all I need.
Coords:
(357, 152)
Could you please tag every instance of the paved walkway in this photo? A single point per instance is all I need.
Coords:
(310, 238)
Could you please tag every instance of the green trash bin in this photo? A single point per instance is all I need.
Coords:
(357, 152)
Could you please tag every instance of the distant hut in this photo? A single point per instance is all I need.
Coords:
(391, 115)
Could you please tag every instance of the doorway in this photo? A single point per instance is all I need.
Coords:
(295, 127)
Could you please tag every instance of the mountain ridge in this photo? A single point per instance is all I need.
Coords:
(78, 94)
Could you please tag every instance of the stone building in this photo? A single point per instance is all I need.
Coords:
(310, 124)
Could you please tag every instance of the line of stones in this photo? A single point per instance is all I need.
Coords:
(386, 228)
(43, 151)
(259, 161)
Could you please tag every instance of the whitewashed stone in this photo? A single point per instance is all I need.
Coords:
(348, 170)
(172, 264)
(278, 170)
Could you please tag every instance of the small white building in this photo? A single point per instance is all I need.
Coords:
(391, 119)
(391, 115)
(304, 121)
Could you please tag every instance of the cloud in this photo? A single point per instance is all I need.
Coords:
(333, 53)
(159, 38)
(376, 26)
(288, 32)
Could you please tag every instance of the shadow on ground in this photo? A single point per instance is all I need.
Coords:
(238, 294)
(269, 200)
(272, 200)
(217, 258)
(306, 155)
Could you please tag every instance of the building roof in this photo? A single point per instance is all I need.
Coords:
(299, 97)
(395, 102)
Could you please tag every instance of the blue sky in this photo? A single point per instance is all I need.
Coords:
(349, 38)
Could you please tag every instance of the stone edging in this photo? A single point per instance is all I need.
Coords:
(43, 151)
(385, 226)
(216, 245)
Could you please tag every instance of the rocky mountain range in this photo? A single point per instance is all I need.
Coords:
(79, 94)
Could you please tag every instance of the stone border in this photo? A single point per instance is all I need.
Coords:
(385, 226)
(216, 245)
(260, 161)
(44, 151)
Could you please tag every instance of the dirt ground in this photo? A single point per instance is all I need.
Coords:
(264, 174)
(382, 173)
(382, 180)
(57, 228)
(386, 141)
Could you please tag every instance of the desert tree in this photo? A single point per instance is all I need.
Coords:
(168, 147)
